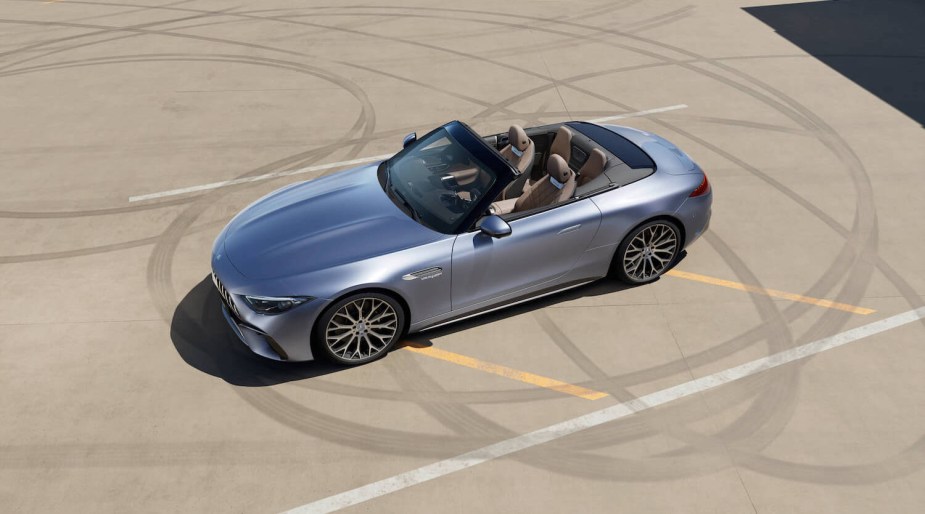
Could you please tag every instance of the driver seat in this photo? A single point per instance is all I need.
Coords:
(520, 149)
(557, 186)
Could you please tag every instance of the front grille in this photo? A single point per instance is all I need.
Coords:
(226, 296)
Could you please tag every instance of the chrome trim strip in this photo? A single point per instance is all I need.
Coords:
(424, 274)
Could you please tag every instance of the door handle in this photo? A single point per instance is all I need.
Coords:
(569, 229)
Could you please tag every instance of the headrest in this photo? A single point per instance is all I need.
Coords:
(558, 169)
(518, 138)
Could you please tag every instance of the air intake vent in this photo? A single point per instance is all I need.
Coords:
(424, 274)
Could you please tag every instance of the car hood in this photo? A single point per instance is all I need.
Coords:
(309, 226)
(668, 157)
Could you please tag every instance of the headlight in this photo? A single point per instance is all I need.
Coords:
(274, 304)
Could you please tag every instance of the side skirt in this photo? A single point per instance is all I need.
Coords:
(508, 303)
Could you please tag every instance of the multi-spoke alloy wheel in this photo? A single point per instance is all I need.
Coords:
(647, 252)
(361, 328)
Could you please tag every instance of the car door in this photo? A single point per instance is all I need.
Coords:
(541, 248)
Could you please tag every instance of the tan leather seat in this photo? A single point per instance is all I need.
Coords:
(520, 152)
(520, 149)
(463, 174)
(593, 167)
(557, 186)
(502, 206)
(562, 144)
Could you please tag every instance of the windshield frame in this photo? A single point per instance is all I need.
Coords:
(463, 135)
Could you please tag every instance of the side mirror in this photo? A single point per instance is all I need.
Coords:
(494, 226)
(410, 138)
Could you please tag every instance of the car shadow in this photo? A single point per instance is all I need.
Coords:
(601, 287)
(204, 340)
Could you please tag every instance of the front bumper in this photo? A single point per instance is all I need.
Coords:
(282, 337)
(257, 341)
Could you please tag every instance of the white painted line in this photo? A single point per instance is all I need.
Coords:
(244, 180)
(559, 430)
(362, 160)
(640, 113)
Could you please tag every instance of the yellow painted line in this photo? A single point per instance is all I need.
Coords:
(769, 292)
(504, 371)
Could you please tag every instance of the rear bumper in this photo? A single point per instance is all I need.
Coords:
(695, 213)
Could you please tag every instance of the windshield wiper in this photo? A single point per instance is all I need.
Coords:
(414, 214)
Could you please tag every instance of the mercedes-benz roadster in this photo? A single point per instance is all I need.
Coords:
(453, 225)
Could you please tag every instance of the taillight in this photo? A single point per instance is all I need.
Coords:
(703, 188)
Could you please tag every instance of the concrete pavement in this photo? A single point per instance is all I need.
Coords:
(122, 389)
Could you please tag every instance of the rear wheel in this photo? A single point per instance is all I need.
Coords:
(360, 328)
(647, 252)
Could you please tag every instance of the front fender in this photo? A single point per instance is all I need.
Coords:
(426, 294)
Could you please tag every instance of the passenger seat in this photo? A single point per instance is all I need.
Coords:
(562, 144)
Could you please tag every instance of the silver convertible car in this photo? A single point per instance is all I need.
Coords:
(453, 225)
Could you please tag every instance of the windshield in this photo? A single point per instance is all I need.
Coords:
(438, 181)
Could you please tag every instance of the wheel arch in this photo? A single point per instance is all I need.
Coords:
(372, 289)
(666, 217)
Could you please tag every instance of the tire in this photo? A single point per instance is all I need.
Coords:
(360, 328)
(647, 252)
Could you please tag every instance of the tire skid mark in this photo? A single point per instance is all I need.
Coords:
(98, 30)
(94, 250)
(131, 455)
(207, 12)
(842, 155)
(461, 419)
(293, 162)
(859, 251)
(661, 420)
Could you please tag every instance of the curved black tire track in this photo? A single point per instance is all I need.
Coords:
(856, 260)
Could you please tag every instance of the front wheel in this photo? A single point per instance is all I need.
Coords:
(647, 252)
(360, 328)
